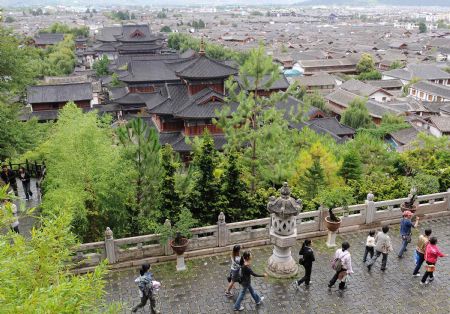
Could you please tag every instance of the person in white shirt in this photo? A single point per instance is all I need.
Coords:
(370, 245)
(346, 269)
(11, 207)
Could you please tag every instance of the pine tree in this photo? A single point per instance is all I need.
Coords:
(234, 197)
(314, 179)
(169, 202)
(351, 168)
(205, 195)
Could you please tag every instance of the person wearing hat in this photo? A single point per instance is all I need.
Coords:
(405, 230)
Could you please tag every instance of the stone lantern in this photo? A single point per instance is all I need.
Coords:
(283, 233)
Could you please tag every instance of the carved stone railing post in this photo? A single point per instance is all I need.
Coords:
(448, 199)
(370, 208)
(222, 231)
(110, 247)
(322, 214)
(166, 247)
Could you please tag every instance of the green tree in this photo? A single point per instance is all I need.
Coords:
(115, 82)
(169, 202)
(161, 15)
(165, 29)
(396, 65)
(365, 64)
(234, 196)
(422, 27)
(256, 115)
(205, 194)
(356, 115)
(36, 278)
(143, 149)
(88, 176)
(370, 76)
(101, 66)
(9, 19)
(351, 168)
(313, 180)
(315, 100)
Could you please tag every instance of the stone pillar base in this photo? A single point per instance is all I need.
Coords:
(331, 240)
(281, 264)
(181, 265)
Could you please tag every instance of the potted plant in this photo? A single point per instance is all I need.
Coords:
(178, 235)
(410, 204)
(330, 199)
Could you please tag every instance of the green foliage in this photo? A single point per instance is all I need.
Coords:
(183, 42)
(169, 201)
(313, 179)
(389, 124)
(422, 27)
(198, 24)
(356, 115)
(18, 137)
(205, 194)
(406, 88)
(57, 27)
(121, 15)
(351, 168)
(336, 197)
(88, 176)
(396, 65)
(161, 15)
(9, 19)
(366, 64)
(371, 75)
(384, 186)
(425, 183)
(315, 100)
(115, 82)
(101, 66)
(165, 29)
(36, 278)
(256, 13)
(142, 148)
(184, 222)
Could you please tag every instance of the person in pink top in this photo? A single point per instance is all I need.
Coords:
(432, 253)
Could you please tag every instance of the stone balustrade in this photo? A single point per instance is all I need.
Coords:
(133, 251)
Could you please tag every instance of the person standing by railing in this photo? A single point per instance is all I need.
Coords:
(26, 180)
(405, 230)
(9, 177)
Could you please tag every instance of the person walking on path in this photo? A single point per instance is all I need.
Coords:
(370, 244)
(8, 205)
(9, 177)
(432, 253)
(306, 260)
(342, 264)
(405, 230)
(246, 283)
(235, 267)
(383, 246)
(420, 251)
(145, 284)
(26, 180)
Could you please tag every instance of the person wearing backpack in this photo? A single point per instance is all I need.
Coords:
(382, 246)
(145, 284)
(235, 267)
(432, 253)
(342, 265)
(306, 260)
(246, 273)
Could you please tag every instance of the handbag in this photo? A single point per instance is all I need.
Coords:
(229, 277)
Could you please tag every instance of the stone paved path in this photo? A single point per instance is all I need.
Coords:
(201, 288)
(27, 221)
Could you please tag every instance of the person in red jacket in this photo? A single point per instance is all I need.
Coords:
(432, 253)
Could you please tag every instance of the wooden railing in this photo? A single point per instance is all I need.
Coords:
(132, 251)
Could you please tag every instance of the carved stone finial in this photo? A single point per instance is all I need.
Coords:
(221, 218)
(202, 47)
(370, 196)
(167, 223)
(285, 191)
(109, 234)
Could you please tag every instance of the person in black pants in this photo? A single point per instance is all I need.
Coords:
(9, 177)
(26, 180)
(307, 260)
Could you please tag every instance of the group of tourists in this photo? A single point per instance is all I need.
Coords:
(376, 244)
(9, 177)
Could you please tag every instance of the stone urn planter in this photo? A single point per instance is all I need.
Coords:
(332, 226)
(180, 247)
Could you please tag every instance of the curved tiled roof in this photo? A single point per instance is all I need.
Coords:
(203, 67)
